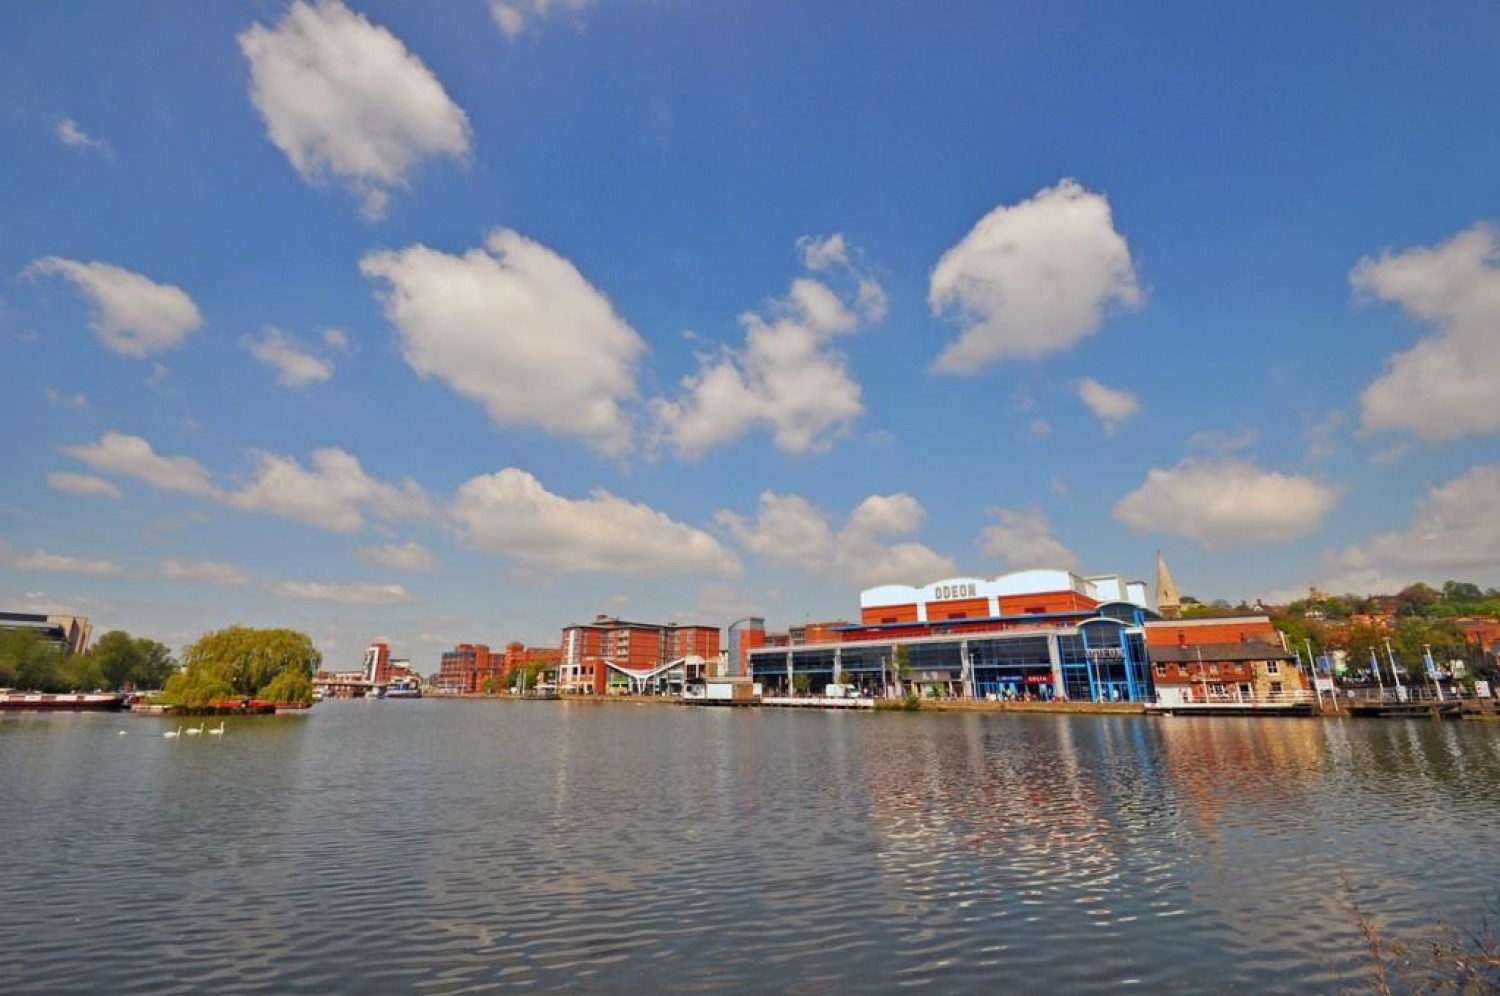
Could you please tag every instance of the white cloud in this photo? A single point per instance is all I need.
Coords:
(131, 314)
(342, 96)
(345, 594)
(1023, 539)
(82, 484)
(211, 572)
(1110, 406)
(336, 340)
(510, 513)
(516, 327)
(335, 493)
(514, 17)
(294, 366)
(790, 531)
(132, 456)
(76, 400)
(41, 560)
(1223, 442)
(1032, 278)
(787, 376)
(1447, 384)
(1454, 533)
(1226, 503)
(410, 556)
(819, 253)
(74, 137)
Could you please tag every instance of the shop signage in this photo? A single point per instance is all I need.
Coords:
(943, 592)
(1102, 655)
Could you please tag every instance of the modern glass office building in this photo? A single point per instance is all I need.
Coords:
(1037, 634)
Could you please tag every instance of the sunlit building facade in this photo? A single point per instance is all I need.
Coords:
(1042, 634)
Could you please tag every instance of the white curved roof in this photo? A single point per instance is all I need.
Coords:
(1100, 587)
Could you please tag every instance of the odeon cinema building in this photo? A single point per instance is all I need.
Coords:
(1046, 634)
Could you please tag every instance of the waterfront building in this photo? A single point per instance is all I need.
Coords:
(380, 668)
(518, 656)
(466, 668)
(1235, 659)
(69, 634)
(1045, 634)
(612, 654)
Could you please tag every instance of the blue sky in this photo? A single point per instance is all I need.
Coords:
(467, 321)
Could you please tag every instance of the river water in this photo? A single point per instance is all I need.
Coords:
(461, 846)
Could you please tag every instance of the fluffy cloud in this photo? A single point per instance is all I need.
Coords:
(335, 493)
(1023, 539)
(790, 531)
(514, 17)
(344, 594)
(1110, 407)
(1455, 533)
(516, 327)
(131, 314)
(82, 484)
(1446, 385)
(294, 366)
(410, 556)
(1226, 503)
(342, 96)
(77, 400)
(208, 571)
(1032, 278)
(132, 456)
(787, 376)
(74, 137)
(510, 513)
(41, 560)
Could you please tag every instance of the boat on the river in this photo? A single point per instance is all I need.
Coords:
(62, 700)
(402, 688)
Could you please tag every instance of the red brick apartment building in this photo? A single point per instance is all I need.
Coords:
(469, 666)
(591, 651)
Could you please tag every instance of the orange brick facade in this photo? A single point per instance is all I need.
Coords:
(588, 649)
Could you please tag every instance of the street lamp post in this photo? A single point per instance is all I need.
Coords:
(1395, 674)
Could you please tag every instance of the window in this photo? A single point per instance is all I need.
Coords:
(1213, 669)
(1273, 667)
(1161, 670)
(1035, 610)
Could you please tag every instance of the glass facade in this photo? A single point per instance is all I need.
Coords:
(1012, 667)
(1100, 660)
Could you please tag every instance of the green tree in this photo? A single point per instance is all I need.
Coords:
(1415, 599)
(1461, 591)
(240, 662)
(29, 662)
(801, 683)
(118, 658)
(157, 664)
(901, 665)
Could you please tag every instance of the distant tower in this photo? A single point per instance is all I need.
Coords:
(1168, 598)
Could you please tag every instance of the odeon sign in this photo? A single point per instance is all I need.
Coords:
(944, 592)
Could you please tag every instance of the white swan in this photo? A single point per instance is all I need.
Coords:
(174, 733)
(217, 731)
(194, 731)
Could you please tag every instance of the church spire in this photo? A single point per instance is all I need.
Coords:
(1168, 598)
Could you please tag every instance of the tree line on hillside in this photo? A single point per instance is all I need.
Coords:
(1422, 620)
(116, 660)
(274, 665)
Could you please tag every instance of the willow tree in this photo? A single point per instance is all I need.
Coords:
(240, 662)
